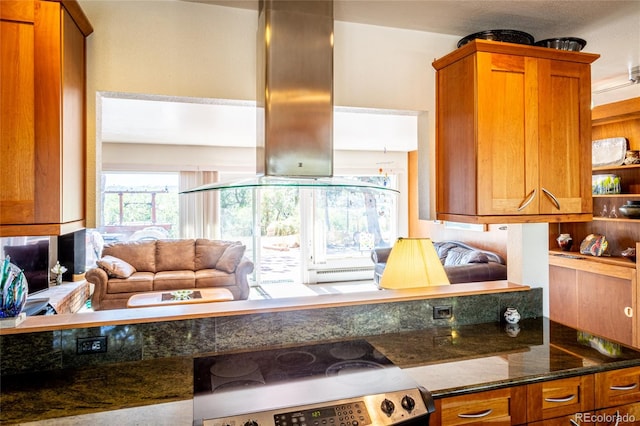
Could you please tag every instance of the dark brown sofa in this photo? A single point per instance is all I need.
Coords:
(462, 262)
(130, 268)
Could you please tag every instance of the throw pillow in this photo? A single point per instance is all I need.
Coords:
(116, 268)
(231, 258)
(475, 257)
(208, 252)
(455, 256)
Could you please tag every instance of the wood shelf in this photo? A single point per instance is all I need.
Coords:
(564, 257)
(616, 195)
(616, 219)
(621, 167)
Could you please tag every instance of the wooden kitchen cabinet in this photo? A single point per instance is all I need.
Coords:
(567, 401)
(513, 140)
(628, 414)
(42, 109)
(595, 295)
(617, 387)
(607, 285)
(498, 407)
(562, 397)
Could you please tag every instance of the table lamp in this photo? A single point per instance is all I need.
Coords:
(412, 263)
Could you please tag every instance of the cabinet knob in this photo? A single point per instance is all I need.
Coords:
(628, 311)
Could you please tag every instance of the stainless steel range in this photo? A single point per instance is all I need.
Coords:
(334, 384)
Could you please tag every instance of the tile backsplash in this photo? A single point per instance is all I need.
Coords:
(54, 350)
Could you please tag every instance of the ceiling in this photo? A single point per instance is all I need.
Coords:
(611, 28)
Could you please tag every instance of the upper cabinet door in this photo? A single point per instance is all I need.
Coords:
(565, 136)
(506, 136)
(42, 108)
(513, 134)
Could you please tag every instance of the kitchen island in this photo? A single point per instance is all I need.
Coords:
(451, 362)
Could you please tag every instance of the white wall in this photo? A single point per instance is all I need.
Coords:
(195, 50)
(189, 49)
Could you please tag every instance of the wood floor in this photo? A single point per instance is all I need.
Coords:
(288, 289)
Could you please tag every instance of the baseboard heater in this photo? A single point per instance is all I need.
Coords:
(341, 274)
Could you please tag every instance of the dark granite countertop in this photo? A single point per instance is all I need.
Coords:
(447, 361)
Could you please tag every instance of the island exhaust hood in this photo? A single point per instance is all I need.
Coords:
(294, 141)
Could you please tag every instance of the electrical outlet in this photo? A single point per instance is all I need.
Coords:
(442, 312)
(91, 345)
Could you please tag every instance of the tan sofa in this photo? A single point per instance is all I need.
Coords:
(130, 268)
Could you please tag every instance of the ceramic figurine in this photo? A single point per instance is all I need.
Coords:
(565, 242)
(512, 316)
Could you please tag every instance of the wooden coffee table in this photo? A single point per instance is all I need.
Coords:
(165, 298)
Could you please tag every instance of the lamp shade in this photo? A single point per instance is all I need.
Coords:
(413, 262)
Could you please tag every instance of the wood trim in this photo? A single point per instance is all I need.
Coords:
(636, 306)
(245, 307)
(41, 229)
(77, 14)
(585, 263)
(616, 111)
(490, 46)
(17, 10)
(414, 194)
(550, 218)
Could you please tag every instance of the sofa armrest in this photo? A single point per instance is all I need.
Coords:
(380, 254)
(244, 268)
(99, 278)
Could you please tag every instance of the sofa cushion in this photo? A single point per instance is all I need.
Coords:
(115, 267)
(175, 255)
(174, 280)
(138, 282)
(208, 252)
(231, 257)
(139, 254)
(214, 278)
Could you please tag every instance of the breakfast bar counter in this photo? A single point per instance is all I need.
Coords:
(447, 361)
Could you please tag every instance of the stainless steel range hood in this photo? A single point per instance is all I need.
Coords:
(294, 141)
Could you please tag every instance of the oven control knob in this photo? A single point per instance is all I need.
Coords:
(387, 407)
(251, 423)
(408, 403)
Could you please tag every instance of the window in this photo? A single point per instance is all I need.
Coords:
(138, 206)
(310, 235)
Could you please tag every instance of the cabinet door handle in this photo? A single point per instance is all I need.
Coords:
(553, 198)
(624, 387)
(565, 399)
(528, 201)
(476, 415)
(628, 311)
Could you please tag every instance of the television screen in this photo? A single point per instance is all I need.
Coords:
(32, 256)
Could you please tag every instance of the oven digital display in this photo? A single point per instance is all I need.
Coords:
(347, 413)
(323, 412)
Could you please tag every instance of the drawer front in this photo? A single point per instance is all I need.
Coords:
(621, 415)
(577, 419)
(618, 387)
(558, 398)
(498, 407)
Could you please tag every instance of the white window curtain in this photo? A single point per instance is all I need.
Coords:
(199, 210)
